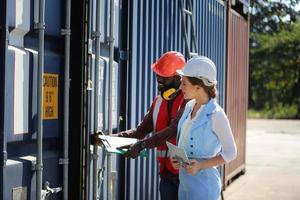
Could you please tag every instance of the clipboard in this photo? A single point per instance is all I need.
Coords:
(178, 153)
(112, 143)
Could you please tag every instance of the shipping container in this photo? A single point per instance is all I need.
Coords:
(237, 89)
(103, 82)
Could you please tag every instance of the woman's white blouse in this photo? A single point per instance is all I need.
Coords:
(186, 126)
(220, 126)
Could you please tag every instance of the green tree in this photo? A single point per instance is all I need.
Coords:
(270, 17)
(275, 58)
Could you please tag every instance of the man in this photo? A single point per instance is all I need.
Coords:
(162, 119)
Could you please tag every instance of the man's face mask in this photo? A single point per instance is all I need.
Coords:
(164, 83)
(168, 86)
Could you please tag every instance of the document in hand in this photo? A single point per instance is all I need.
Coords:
(178, 153)
(112, 143)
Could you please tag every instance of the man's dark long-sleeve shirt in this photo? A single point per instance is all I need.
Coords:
(146, 127)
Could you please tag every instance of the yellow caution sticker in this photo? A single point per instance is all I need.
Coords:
(50, 96)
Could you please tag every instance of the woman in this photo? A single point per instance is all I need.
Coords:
(203, 131)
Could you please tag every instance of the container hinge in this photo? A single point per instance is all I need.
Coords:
(124, 55)
(63, 161)
(110, 39)
(95, 156)
(4, 160)
(65, 31)
(96, 34)
(39, 26)
(36, 167)
(48, 191)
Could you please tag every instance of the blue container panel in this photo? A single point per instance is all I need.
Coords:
(103, 94)
(102, 173)
(21, 82)
(53, 16)
(155, 31)
(19, 178)
(20, 101)
(210, 25)
(21, 68)
(150, 37)
(105, 20)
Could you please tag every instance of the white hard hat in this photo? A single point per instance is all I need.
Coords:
(200, 67)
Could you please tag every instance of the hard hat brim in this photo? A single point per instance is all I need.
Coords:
(181, 73)
(157, 71)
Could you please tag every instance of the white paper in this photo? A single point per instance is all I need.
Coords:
(112, 143)
(177, 153)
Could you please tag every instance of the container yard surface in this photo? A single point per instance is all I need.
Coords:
(272, 162)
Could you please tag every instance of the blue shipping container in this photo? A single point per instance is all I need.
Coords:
(157, 29)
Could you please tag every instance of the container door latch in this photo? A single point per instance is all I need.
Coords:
(47, 191)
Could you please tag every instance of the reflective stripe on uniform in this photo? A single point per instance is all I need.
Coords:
(156, 110)
(162, 153)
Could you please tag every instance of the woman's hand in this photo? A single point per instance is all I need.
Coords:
(175, 163)
(193, 168)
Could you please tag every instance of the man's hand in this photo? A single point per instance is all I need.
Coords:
(95, 140)
(133, 150)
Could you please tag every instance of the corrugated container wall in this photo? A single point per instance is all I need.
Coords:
(210, 23)
(156, 27)
(20, 99)
(151, 28)
(237, 88)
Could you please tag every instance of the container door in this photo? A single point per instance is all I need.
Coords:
(99, 101)
(20, 97)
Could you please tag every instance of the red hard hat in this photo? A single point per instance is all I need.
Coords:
(168, 63)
